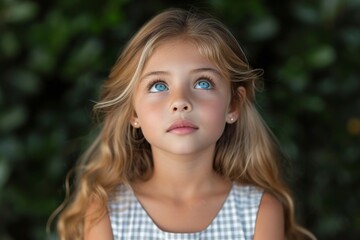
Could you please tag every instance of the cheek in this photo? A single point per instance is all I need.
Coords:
(218, 109)
(148, 109)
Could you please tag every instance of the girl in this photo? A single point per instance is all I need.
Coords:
(182, 152)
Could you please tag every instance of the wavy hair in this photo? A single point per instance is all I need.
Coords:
(247, 152)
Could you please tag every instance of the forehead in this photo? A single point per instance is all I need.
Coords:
(171, 54)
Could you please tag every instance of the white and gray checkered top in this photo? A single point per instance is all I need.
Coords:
(235, 221)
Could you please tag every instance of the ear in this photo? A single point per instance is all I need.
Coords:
(235, 105)
(135, 124)
(134, 121)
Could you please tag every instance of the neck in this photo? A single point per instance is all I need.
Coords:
(183, 176)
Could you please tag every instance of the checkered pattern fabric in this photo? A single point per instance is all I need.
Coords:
(235, 221)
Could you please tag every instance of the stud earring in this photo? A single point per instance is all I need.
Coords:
(135, 123)
(231, 120)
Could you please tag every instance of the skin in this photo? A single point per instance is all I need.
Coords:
(182, 105)
(270, 221)
(183, 93)
(97, 230)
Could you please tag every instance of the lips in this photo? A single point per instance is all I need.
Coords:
(182, 126)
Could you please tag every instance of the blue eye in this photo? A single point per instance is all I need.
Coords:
(158, 87)
(204, 84)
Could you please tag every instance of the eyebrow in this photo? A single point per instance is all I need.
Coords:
(207, 69)
(154, 73)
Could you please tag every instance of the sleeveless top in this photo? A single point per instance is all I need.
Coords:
(235, 220)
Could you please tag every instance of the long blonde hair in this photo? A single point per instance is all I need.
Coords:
(247, 152)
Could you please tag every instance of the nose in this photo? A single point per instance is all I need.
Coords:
(181, 107)
(181, 102)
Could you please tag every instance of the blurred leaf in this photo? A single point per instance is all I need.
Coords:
(293, 74)
(332, 223)
(35, 144)
(352, 3)
(330, 8)
(322, 56)
(4, 172)
(10, 148)
(9, 45)
(82, 22)
(13, 118)
(351, 155)
(51, 35)
(41, 60)
(57, 32)
(291, 149)
(83, 57)
(25, 81)
(111, 13)
(19, 11)
(306, 12)
(351, 37)
(264, 28)
(328, 86)
(312, 103)
(349, 84)
(353, 126)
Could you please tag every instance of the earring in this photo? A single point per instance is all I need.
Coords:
(231, 120)
(135, 124)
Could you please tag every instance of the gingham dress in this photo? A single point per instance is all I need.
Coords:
(235, 221)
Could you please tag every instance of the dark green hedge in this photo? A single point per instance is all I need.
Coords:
(55, 54)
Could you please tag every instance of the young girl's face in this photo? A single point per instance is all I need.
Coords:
(182, 102)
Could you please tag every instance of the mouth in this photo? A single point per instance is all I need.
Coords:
(182, 127)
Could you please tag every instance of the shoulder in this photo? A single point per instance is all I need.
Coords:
(270, 219)
(97, 226)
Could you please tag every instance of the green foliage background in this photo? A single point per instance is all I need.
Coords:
(55, 54)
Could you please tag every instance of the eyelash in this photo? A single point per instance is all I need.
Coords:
(153, 82)
(203, 77)
(207, 78)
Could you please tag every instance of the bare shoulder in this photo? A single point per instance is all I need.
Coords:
(270, 220)
(94, 227)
